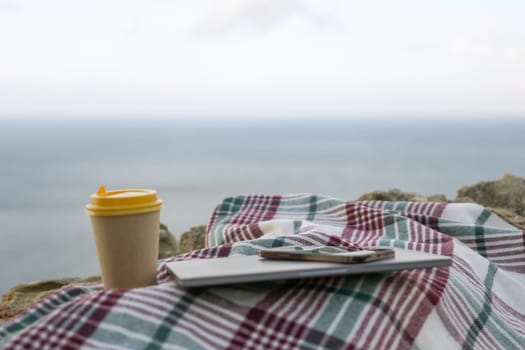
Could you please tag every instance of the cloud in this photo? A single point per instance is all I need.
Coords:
(512, 53)
(8, 5)
(260, 16)
(486, 49)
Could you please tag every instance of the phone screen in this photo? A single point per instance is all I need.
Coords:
(328, 254)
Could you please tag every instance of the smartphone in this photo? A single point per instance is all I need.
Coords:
(327, 254)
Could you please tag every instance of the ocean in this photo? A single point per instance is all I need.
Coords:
(49, 169)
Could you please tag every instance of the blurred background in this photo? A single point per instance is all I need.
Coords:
(206, 99)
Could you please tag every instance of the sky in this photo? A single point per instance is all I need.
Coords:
(80, 60)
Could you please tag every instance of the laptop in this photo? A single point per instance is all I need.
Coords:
(253, 268)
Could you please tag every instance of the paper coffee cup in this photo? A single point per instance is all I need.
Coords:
(126, 230)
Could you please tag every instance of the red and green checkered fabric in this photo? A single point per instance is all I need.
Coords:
(477, 303)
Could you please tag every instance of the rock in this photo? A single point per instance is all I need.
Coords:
(167, 243)
(22, 296)
(192, 239)
(505, 196)
(507, 192)
(396, 195)
(437, 198)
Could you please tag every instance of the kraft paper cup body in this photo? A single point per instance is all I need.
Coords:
(126, 231)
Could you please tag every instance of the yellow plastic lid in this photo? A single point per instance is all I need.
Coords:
(122, 202)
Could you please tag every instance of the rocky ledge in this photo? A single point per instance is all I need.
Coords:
(505, 196)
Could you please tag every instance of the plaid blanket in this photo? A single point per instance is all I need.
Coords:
(476, 303)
